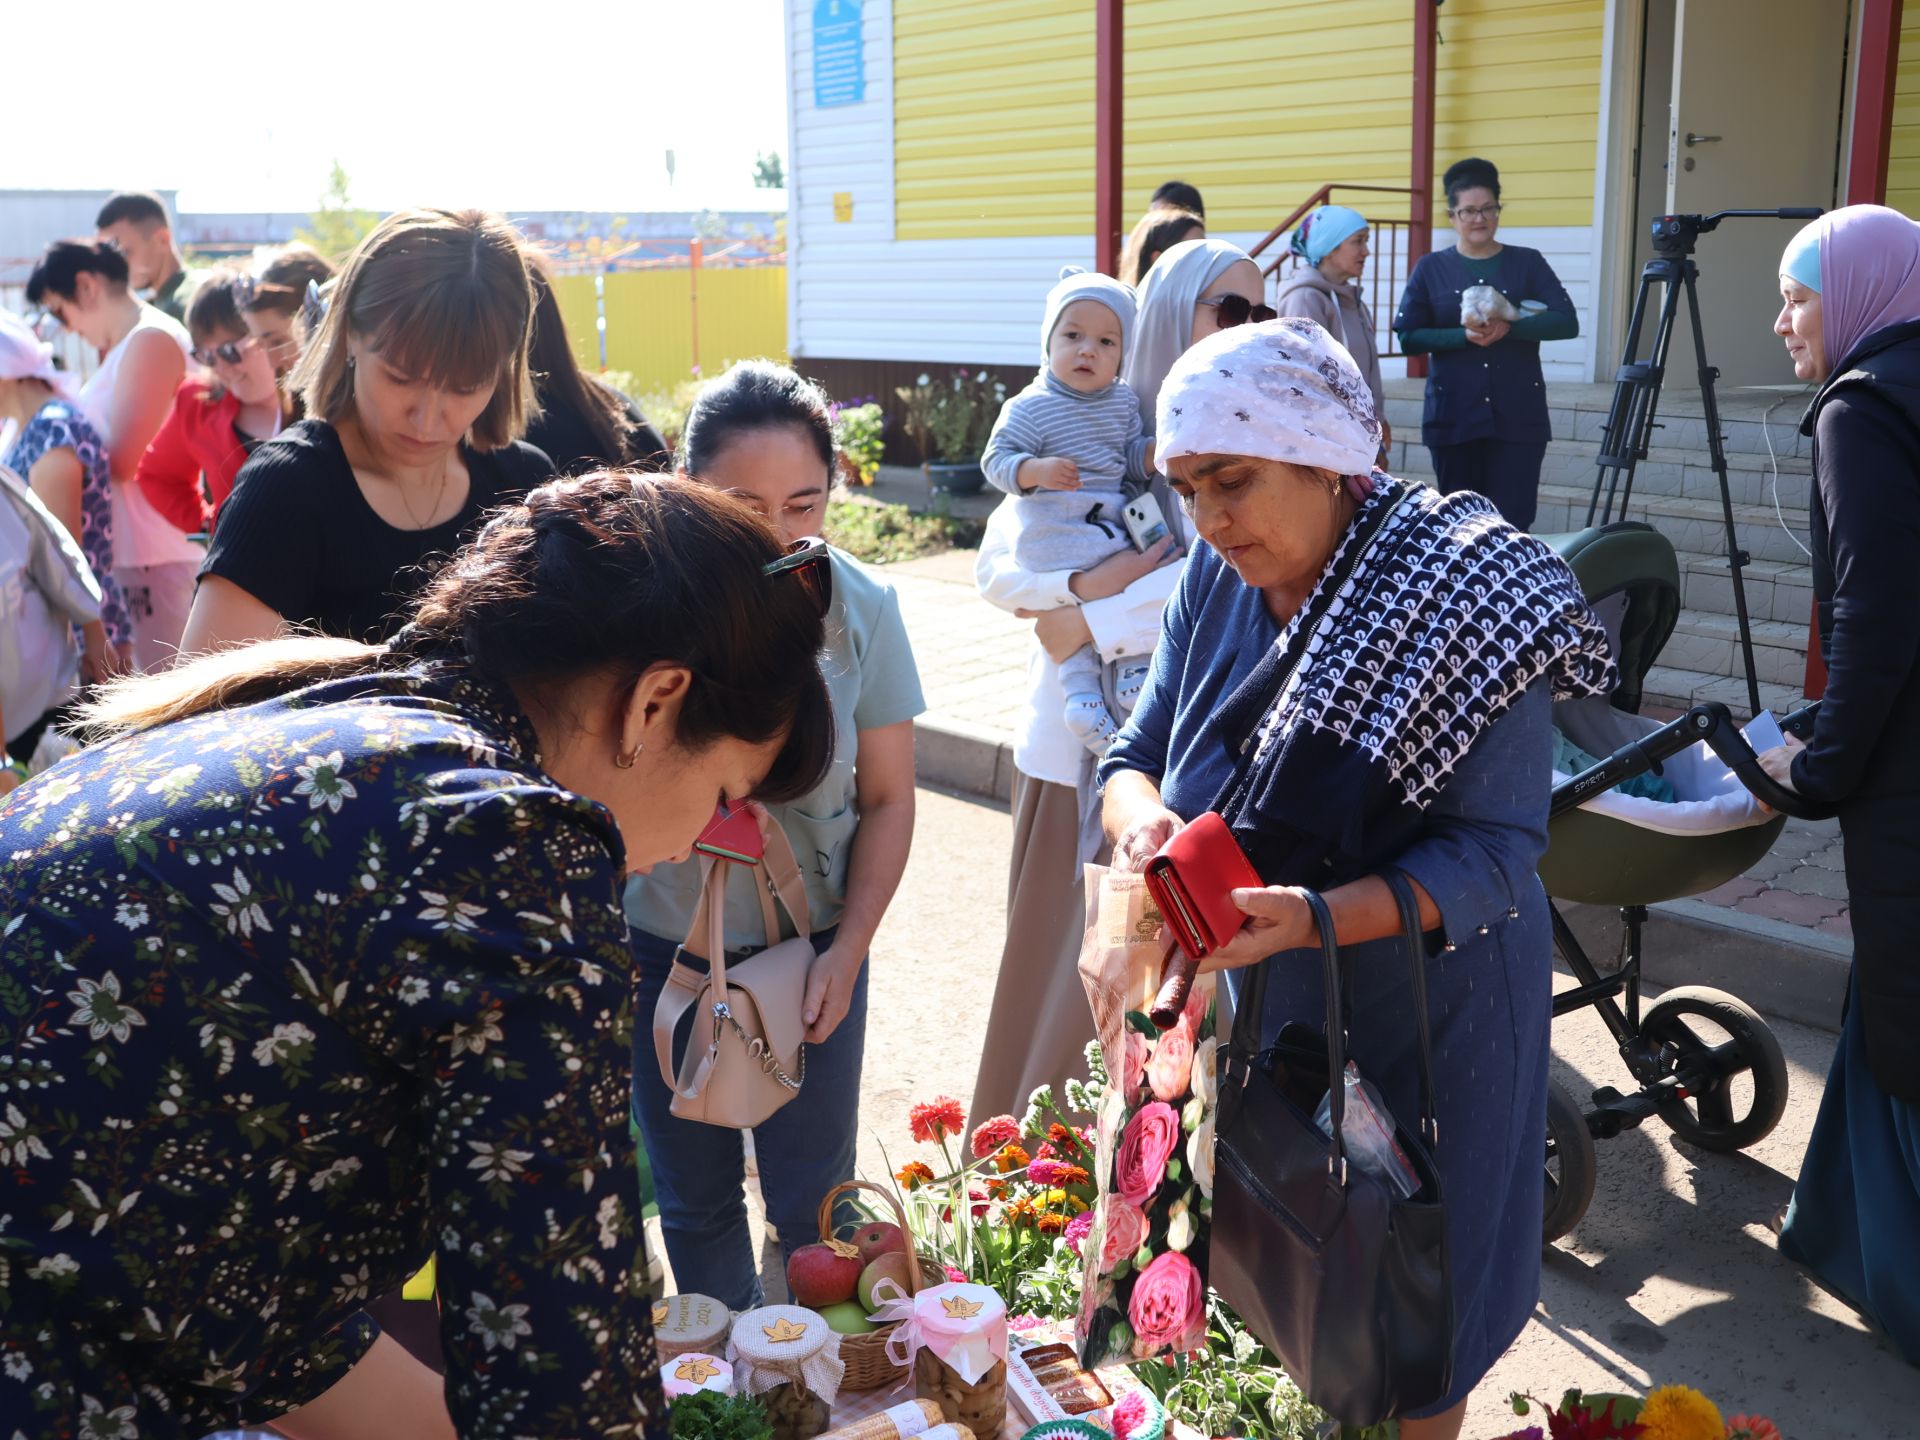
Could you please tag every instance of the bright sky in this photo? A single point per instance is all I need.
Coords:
(553, 105)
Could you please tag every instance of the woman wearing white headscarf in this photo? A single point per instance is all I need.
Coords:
(1355, 675)
(1040, 1024)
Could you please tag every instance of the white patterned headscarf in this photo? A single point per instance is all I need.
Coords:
(1281, 390)
(25, 356)
(1163, 325)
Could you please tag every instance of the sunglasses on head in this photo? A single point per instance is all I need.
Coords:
(228, 352)
(1232, 310)
(809, 561)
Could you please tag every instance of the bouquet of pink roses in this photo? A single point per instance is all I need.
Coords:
(1144, 1261)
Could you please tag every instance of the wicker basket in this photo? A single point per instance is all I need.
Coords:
(868, 1367)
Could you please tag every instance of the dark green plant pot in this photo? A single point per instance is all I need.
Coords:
(956, 479)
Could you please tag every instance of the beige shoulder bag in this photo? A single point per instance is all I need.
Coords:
(746, 1057)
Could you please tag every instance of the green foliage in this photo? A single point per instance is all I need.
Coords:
(861, 431)
(1233, 1387)
(665, 408)
(951, 416)
(337, 225)
(705, 1415)
(769, 171)
(881, 534)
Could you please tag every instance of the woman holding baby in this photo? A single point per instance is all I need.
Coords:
(1486, 415)
(1039, 1025)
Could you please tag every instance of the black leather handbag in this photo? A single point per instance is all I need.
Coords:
(1330, 1269)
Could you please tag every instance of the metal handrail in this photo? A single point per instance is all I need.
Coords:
(1389, 251)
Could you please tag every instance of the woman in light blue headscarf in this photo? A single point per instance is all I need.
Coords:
(1331, 250)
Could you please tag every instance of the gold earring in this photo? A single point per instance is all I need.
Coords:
(625, 758)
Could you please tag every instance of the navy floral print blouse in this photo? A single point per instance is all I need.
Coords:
(57, 425)
(292, 997)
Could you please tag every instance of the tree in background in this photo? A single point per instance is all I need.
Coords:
(769, 173)
(337, 225)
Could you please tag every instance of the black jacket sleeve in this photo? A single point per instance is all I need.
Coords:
(1869, 487)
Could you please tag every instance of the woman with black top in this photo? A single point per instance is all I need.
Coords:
(1486, 417)
(584, 423)
(417, 389)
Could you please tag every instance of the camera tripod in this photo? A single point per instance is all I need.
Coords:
(1636, 393)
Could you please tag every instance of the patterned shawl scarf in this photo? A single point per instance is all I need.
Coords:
(1433, 617)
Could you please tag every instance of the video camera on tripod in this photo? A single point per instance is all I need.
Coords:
(1636, 391)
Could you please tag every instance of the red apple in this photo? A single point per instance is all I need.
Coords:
(877, 1239)
(819, 1275)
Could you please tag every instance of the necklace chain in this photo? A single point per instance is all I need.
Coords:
(433, 506)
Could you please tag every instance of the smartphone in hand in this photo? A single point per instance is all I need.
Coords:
(1763, 733)
(733, 834)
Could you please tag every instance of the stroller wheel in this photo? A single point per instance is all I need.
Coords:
(1570, 1162)
(1728, 1062)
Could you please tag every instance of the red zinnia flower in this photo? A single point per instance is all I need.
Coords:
(935, 1121)
(991, 1135)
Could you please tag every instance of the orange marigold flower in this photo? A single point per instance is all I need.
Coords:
(1051, 1224)
(914, 1173)
(1064, 1138)
(1012, 1157)
(997, 1189)
(935, 1121)
(1076, 1175)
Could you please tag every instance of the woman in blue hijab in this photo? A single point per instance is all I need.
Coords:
(1324, 287)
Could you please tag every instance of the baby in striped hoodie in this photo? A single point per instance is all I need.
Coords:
(1073, 450)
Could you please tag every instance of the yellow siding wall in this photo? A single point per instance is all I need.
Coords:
(1258, 102)
(1903, 157)
(650, 332)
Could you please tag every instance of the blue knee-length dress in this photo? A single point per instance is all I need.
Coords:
(1490, 987)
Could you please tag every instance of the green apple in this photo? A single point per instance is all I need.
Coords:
(848, 1318)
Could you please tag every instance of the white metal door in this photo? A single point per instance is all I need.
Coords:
(1755, 126)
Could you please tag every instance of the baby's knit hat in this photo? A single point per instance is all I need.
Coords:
(1077, 284)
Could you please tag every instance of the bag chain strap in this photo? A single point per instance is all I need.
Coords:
(757, 1049)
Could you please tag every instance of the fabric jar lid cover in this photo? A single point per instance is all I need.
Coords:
(693, 1372)
(783, 1344)
(683, 1323)
(965, 1326)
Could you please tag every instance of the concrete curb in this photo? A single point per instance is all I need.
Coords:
(963, 758)
(1783, 970)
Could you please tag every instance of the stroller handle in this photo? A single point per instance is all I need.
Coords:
(1709, 721)
(1731, 746)
(1740, 757)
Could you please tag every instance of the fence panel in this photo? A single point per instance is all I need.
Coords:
(655, 319)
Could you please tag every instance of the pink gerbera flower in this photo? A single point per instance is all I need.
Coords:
(991, 1135)
(1077, 1229)
(1047, 1172)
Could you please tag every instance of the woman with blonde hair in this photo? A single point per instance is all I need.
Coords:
(417, 390)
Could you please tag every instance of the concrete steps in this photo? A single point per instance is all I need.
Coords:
(1769, 473)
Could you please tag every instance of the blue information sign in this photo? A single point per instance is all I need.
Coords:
(839, 67)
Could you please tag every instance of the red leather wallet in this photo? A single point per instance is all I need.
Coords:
(1192, 880)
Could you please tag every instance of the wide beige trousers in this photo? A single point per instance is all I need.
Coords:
(1038, 1031)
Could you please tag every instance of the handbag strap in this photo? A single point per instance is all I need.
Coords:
(1336, 1033)
(1247, 1021)
(685, 985)
(1402, 888)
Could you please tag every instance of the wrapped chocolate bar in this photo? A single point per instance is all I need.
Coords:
(686, 1323)
(790, 1358)
(686, 1374)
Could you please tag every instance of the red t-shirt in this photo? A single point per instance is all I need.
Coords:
(198, 439)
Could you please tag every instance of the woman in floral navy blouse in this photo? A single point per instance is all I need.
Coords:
(318, 968)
